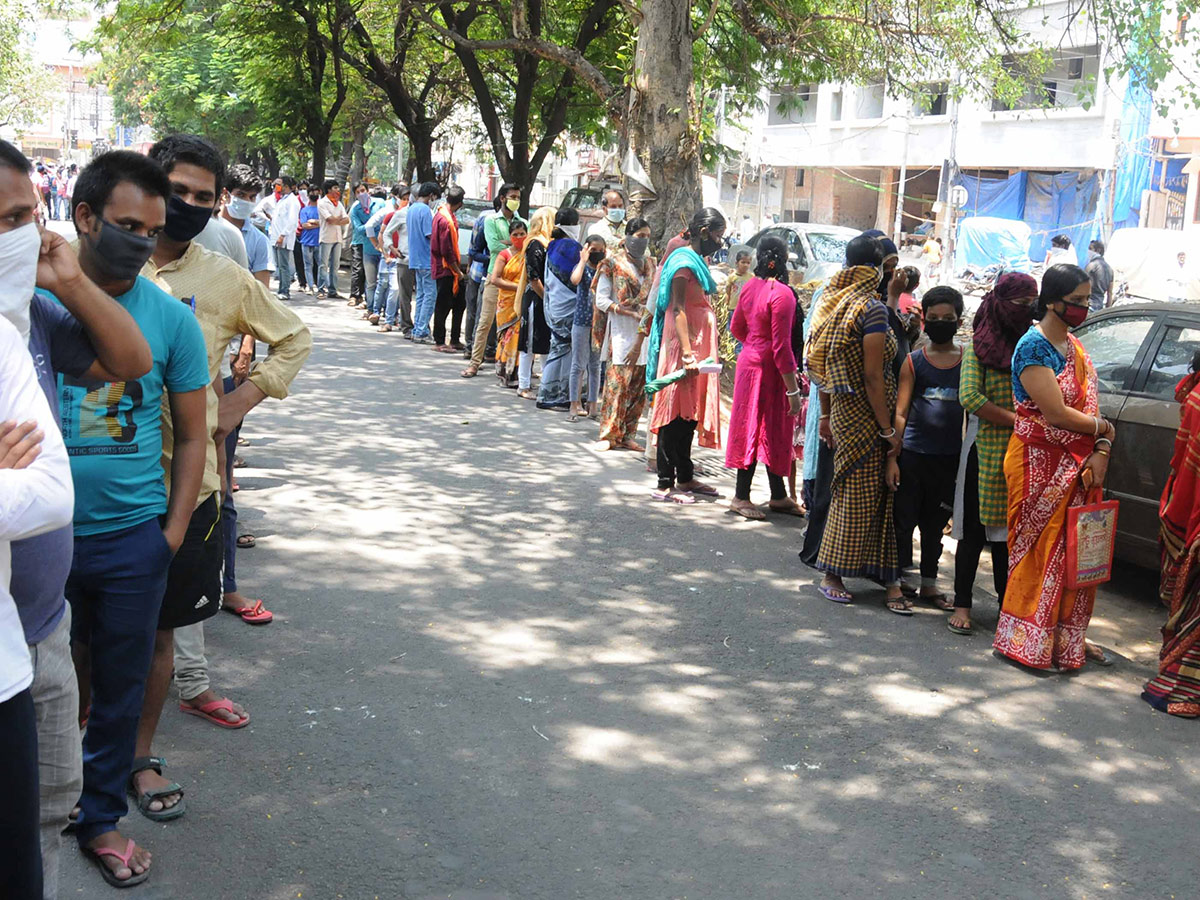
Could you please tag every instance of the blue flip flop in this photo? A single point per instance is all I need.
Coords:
(843, 597)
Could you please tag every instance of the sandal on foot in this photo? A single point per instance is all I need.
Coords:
(470, 371)
(246, 541)
(704, 490)
(208, 711)
(748, 512)
(1102, 660)
(837, 595)
(145, 798)
(905, 609)
(958, 629)
(97, 857)
(673, 496)
(940, 600)
(794, 509)
(254, 614)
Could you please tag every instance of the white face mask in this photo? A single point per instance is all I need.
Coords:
(19, 250)
(239, 208)
(571, 231)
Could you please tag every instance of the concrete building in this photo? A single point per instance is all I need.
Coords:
(841, 154)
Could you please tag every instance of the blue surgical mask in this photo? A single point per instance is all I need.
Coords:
(239, 208)
(616, 214)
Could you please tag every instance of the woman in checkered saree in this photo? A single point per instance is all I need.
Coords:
(849, 355)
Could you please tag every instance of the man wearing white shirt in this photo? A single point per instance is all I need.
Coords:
(282, 234)
(35, 497)
(333, 220)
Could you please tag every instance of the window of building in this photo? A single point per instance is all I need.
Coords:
(793, 106)
(1068, 83)
(932, 100)
(835, 106)
(870, 102)
(799, 178)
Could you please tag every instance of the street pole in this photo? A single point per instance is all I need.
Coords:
(900, 188)
(948, 256)
(720, 152)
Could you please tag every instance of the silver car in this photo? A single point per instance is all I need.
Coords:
(815, 252)
(1140, 352)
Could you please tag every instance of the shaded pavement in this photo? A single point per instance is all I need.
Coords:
(498, 671)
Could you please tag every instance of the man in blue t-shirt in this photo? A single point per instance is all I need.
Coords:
(420, 231)
(127, 527)
(310, 238)
(87, 335)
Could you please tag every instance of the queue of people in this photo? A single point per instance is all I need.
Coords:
(117, 439)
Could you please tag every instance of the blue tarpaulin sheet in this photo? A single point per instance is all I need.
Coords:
(985, 241)
(1061, 204)
(1176, 180)
(999, 198)
(1133, 173)
(1050, 204)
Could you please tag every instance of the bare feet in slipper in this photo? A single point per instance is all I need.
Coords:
(746, 510)
(787, 507)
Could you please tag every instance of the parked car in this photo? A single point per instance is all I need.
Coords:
(815, 252)
(471, 210)
(1140, 352)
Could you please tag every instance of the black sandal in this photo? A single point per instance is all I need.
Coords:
(155, 763)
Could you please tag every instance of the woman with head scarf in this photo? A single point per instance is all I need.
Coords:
(985, 392)
(1057, 456)
(534, 335)
(562, 256)
(851, 356)
(683, 333)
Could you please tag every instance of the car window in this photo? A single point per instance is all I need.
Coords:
(796, 248)
(1173, 361)
(1113, 344)
(828, 247)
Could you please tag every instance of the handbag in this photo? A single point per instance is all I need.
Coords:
(1091, 535)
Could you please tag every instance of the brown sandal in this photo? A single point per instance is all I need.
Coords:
(470, 371)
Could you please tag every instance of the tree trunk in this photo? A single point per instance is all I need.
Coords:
(358, 164)
(342, 169)
(421, 154)
(661, 112)
(319, 160)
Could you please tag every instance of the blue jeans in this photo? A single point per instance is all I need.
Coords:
(283, 271)
(115, 590)
(370, 263)
(425, 301)
(312, 258)
(584, 360)
(384, 301)
(331, 258)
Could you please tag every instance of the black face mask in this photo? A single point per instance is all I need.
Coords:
(185, 221)
(119, 254)
(709, 246)
(941, 332)
(596, 257)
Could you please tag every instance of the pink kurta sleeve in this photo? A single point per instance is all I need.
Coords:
(783, 317)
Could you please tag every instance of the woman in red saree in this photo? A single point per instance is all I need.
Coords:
(1176, 690)
(1059, 449)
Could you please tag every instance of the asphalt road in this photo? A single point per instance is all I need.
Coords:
(498, 671)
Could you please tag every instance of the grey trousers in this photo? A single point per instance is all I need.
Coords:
(60, 752)
(191, 664)
(405, 282)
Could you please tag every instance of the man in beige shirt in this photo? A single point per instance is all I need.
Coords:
(333, 219)
(227, 301)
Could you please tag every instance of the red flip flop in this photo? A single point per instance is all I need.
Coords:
(257, 614)
(207, 712)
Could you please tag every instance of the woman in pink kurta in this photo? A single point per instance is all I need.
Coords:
(766, 393)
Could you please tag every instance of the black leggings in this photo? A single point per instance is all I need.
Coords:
(746, 476)
(675, 453)
(966, 559)
(925, 501)
(449, 301)
(298, 258)
(20, 849)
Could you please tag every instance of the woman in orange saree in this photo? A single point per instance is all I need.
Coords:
(506, 276)
(1176, 689)
(1059, 449)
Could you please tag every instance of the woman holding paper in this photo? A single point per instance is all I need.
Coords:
(1059, 449)
(766, 393)
(682, 335)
